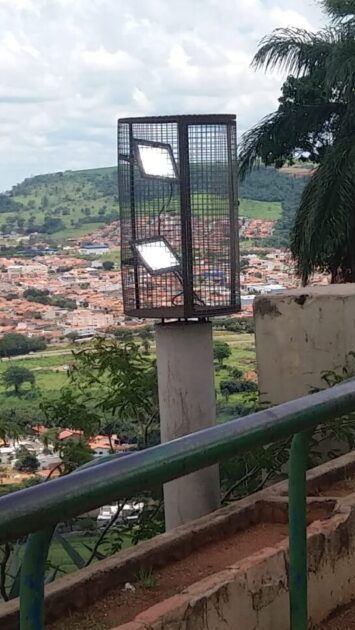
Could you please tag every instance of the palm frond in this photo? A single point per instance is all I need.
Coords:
(320, 237)
(293, 127)
(295, 50)
(340, 64)
(339, 9)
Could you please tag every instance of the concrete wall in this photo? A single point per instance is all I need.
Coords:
(300, 334)
(251, 594)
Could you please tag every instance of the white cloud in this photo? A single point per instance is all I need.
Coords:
(69, 68)
(102, 60)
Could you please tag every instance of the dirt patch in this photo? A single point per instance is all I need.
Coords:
(119, 606)
(340, 488)
(343, 619)
(318, 512)
(264, 306)
(298, 171)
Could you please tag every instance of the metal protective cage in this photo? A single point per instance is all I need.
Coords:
(178, 207)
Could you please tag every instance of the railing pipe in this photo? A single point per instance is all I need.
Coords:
(33, 570)
(32, 580)
(45, 505)
(62, 499)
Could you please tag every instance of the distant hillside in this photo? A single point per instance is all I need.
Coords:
(75, 203)
(283, 185)
(61, 205)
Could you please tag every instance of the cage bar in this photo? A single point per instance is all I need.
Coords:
(178, 209)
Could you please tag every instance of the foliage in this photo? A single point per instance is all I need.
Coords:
(111, 385)
(151, 519)
(8, 430)
(74, 453)
(71, 410)
(271, 184)
(104, 372)
(16, 419)
(236, 386)
(73, 336)
(221, 351)
(26, 461)
(17, 416)
(15, 376)
(147, 578)
(50, 225)
(316, 119)
(14, 344)
(236, 373)
(123, 334)
(232, 324)
(252, 471)
(15, 487)
(7, 204)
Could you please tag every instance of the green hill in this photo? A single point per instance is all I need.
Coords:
(74, 203)
(61, 205)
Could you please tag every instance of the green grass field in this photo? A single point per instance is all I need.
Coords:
(75, 232)
(59, 557)
(268, 210)
(242, 357)
(33, 362)
(51, 373)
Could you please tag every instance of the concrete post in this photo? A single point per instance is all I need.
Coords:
(187, 404)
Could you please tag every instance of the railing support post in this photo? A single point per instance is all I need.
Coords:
(33, 570)
(32, 580)
(297, 516)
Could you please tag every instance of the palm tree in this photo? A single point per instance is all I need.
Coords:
(9, 431)
(316, 118)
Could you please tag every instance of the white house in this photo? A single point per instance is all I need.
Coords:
(48, 462)
(129, 513)
(6, 454)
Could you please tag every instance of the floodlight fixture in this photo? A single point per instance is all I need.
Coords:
(156, 255)
(155, 159)
(177, 179)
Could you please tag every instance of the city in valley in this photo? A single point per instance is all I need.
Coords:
(60, 291)
(81, 272)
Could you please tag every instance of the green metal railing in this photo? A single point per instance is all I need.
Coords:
(37, 510)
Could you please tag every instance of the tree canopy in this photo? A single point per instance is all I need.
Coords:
(315, 120)
(221, 351)
(26, 461)
(14, 344)
(113, 388)
(15, 376)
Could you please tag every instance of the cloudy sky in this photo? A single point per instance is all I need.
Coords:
(69, 68)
